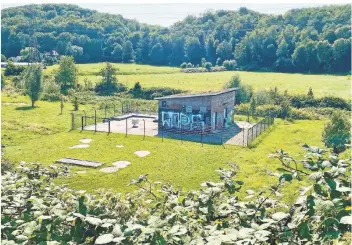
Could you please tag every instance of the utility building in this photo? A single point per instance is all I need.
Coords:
(203, 112)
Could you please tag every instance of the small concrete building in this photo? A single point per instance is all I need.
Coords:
(205, 112)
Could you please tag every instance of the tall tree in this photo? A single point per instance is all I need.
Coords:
(127, 52)
(194, 50)
(66, 75)
(157, 54)
(33, 78)
(224, 50)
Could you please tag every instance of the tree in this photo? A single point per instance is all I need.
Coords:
(282, 50)
(109, 84)
(30, 54)
(66, 75)
(3, 58)
(336, 133)
(207, 65)
(211, 50)
(224, 50)
(194, 50)
(33, 82)
(127, 52)
(117, 52)
(244, 92)
(310, 93)
(157, 54)
(285, 108)
(252, 106)
(2, 81)
(230, 65)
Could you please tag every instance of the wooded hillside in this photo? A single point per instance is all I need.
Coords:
(301, 40)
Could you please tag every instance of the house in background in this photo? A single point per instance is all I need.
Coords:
(202, 112)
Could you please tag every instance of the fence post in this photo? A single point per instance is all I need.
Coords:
(95, 120)
(85, 118)
(109, 126)
(126, 128)
(162, 132)
(243, 137)
(82, 123)
(144, 129)
(201, 137)
(72, 121)
(181, 134)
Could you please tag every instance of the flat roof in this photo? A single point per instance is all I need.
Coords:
(176, 96)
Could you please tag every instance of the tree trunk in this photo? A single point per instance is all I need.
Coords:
(33, 103)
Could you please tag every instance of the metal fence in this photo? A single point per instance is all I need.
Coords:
(100, 121)
(249, 134)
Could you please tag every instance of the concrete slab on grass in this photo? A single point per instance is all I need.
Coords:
(79, 162)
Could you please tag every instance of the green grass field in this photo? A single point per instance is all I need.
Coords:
(41, 135)
(153, 76)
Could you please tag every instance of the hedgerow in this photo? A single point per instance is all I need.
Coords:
(35, 210)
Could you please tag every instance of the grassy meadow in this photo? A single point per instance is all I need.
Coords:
(42, 135)
(154, 76)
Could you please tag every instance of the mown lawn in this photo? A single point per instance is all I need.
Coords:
(41, 135)
(154, 76)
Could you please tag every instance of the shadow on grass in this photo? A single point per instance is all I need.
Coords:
(25, 108)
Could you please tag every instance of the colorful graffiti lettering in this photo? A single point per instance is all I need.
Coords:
(186, 121)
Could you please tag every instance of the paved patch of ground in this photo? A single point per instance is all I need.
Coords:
(109, 170)
(85, 141)
(119, 146)
(79, 146)
(135, 126)
(142, 153)
(121, 164)
(79, 162)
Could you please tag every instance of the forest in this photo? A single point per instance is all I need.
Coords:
(310, 40)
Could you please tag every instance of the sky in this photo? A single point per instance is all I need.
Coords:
(159, 12)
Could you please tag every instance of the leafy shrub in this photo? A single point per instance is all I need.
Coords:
(208, 65)
(264, 97)
(3, 58)
(13, 70)
(230, 65)
(183, 65)
(51, 90)
(334, 102)
(161, 214)
(337, 132)
(260, 110)
(189, 65)
(218, 62)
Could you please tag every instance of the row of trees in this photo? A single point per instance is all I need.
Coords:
(302, 40)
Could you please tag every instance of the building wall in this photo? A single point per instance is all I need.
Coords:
(204, 108)
(218, 104)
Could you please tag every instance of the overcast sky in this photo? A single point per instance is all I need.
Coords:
(166, 14)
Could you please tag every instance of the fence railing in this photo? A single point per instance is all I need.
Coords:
(100, 121)
(253, 132)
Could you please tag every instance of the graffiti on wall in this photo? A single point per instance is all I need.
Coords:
(198, 121)
(171, 119)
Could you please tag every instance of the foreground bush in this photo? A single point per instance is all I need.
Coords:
(35, 210)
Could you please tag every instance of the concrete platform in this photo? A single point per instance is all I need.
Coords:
(78, 162)
(119, 126)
